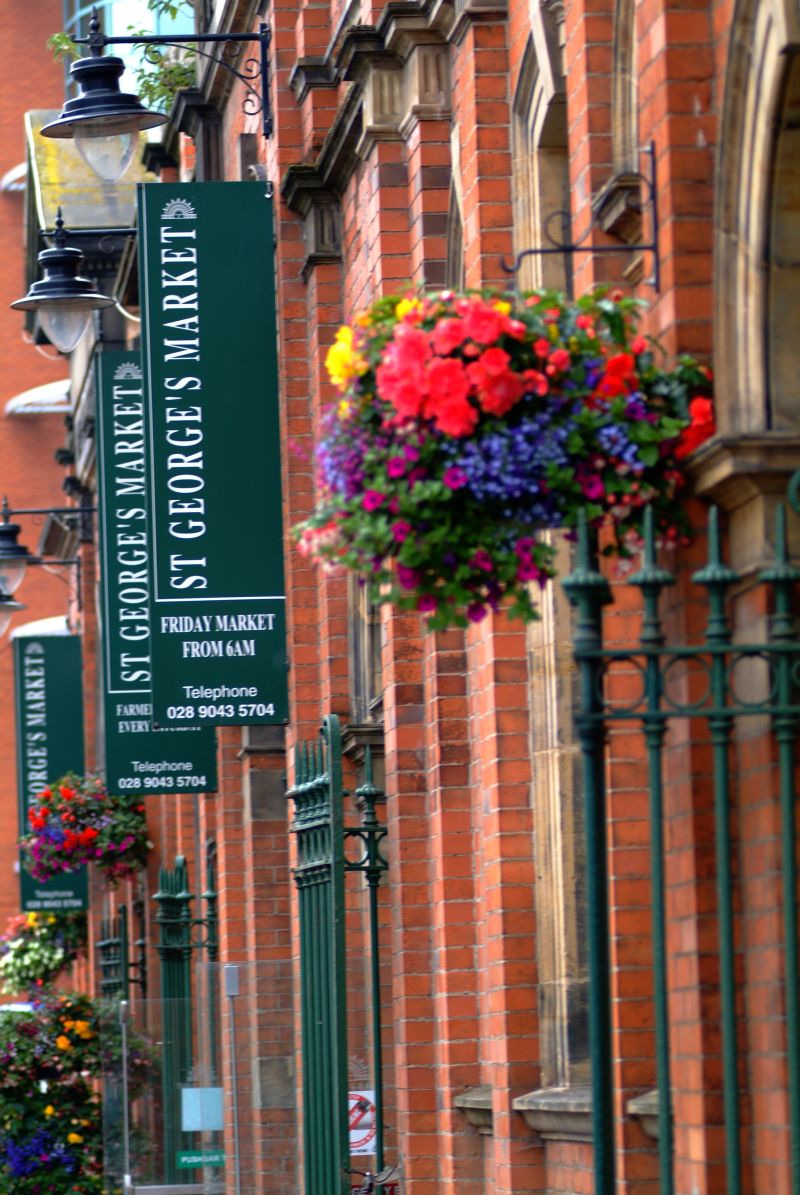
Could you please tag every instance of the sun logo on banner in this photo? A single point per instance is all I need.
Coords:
(178, 209)
(127, 371)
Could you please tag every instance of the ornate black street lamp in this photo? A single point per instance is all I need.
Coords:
(15, 557)
(63, 299)
(105, 122)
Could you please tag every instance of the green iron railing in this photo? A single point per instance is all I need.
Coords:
(719, 707)
(112, 950)
(318, 825)
(117, 970)
(176, 943)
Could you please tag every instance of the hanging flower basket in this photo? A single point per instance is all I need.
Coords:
(467, 427)
(78, 821)
(37, 947)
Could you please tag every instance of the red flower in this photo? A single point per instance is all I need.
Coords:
(498, 386)
(483, 323)
(701, 428)
(561, 359)
(401, 376)
(619, 378)
(448, 335)
(447, 403)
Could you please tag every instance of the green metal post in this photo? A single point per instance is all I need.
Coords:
(716, 577)
(651, 580)
(372, 865)
(783, 576)
(175, 948)
(588, 591)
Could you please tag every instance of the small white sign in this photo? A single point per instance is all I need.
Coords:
(202, 1110)
(362, 1121)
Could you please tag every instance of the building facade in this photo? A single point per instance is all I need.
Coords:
(430, 144)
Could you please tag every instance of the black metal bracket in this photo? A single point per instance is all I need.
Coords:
(249, 71)
(647, 204)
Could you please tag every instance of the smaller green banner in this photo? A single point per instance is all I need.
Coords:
(190, 1159)
(49, 709)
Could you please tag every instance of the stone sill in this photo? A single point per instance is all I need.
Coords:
(558, 1113)
(476, 1104)
(644, 1108)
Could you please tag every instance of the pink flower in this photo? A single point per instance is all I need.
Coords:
(410, 453)
(528, 571)
(395, 466)
(408, 577)
(426, 602)
(372, 500)
(454, 478)
(482, 560)
(401, 530)
(476, 612)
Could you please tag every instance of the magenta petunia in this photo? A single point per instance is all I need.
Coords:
(409, 578)
(395, 466)
(372, 499)
(401, 530)
(454, 478)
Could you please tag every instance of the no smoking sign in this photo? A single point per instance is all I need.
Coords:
(361, 1121)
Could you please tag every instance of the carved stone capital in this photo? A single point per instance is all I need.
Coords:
(383, 107)
(747, 477)
(311, 74)
(427, 86)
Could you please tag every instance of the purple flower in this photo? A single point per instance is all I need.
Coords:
(395, 466)
(426, 602)
(476, 611)
(372, 499)
(401, 530)
(411, 453)
(454, 478)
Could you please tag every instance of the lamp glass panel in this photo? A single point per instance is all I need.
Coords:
(11, 573)
(62, 325)
(7, 611)
(108, 154)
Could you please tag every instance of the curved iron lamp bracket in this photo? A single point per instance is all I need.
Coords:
(563, 243)
(231, 46)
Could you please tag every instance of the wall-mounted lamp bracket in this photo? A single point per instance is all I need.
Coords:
(561, 242)
(250, 72)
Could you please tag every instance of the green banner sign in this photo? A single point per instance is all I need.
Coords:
(49, 725)
(137, 757)
(214, 490)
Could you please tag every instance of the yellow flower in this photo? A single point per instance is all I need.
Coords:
(84, 1030)
(342, 361)
(344, 408)
(49, 1110)
(406, 306)
(51, 920)
(32, 919)
(74, 1138)
(503, 307)
(68, 1025)
(63, 1043)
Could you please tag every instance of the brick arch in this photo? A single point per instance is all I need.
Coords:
(754, 221)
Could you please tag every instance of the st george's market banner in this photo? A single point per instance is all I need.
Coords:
(138, 758)
(48, 691)
(209, 356)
